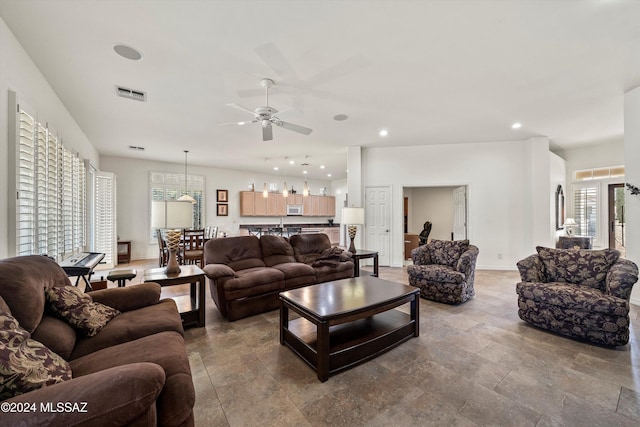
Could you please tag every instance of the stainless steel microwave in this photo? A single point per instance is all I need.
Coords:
(294, 210)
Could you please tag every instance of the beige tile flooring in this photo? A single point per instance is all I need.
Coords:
(474, 364)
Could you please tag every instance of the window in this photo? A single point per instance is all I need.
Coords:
(51, 192)
(600, 173)
(171, 185)
(586, 210)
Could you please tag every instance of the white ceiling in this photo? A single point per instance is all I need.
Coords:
(430, 72)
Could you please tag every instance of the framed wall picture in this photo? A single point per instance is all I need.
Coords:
(223, 196)
(223, 209)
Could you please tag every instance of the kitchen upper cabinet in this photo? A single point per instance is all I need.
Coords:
(247, 203)
(253, 203)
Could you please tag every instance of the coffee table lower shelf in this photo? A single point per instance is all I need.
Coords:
(350, 343)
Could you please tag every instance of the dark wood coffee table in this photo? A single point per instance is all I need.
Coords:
(188, 274)
(347, 322)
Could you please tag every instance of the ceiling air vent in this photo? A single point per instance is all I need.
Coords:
(131, 94)
(136, 148)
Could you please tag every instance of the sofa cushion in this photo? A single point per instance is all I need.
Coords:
(446, 252)
(78, 309)
(57, 335)
(239, 253)
(253, 281)
(306, 245)
(131, 325)
(569, 296)
(166, 349)
(326, 273)
(583, 267)
(276, 250)
(22, 280)
(435, 273)
(26, 364)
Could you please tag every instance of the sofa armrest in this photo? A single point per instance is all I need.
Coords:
(128, 298)
(620, 279)
(467, 261)
(532, 269)
(420, 255)
(115, 396)
(217, 271)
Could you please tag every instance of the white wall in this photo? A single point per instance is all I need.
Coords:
(499, 180)
(19, 74)
(632, 176)
(433, 204)
(133, 198)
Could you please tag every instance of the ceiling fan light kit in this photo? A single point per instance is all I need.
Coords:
(266, 116)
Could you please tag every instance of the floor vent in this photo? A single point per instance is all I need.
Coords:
(131, 94)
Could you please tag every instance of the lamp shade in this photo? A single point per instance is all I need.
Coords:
(570, 221)
(171, 214)
(352, 216)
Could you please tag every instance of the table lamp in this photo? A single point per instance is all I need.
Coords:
(570, 226)
(352, 217)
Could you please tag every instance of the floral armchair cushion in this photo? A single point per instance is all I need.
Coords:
(581, 267)
(446, 252)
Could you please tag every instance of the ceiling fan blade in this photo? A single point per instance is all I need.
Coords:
(338, 70)
(295, 128)
(241, 108)
(238, 123)
(267, 133)
(273, 57)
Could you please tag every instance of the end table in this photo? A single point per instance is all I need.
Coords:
(188, 274)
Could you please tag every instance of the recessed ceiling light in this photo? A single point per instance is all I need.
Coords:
(329, 175)
(292, 162)
(304, 172)
(384, 132)
(516, 126)
(321, 166)
(275, 168)
(127, 52)
(340, 117)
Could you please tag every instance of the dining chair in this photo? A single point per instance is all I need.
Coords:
(193, 247)
(163, 251)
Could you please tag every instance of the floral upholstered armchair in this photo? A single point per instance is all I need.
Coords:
(444, 270)
(578, 293)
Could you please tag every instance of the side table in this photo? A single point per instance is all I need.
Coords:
(362, 254)
(188, 274)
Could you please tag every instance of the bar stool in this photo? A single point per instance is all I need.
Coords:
(121, 276)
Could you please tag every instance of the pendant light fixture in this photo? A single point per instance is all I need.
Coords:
(265, 193)
(186, 197)
(305, 189)
(285, 191)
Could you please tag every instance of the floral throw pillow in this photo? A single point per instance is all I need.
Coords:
(447, 252)
(77, 308)
(26, 364)
(580, 267)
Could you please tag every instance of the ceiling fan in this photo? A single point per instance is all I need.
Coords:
(266, 116)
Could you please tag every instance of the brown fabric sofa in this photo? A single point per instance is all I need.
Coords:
(134, 371)
(245, 274)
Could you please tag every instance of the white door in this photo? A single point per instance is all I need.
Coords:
(460, 213)
(378, 222)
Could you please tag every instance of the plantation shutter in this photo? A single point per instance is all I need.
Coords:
(26, 206)
(105, 217)
(585, 210)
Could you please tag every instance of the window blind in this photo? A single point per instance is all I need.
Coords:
(105, 218)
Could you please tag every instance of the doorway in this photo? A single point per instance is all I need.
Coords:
(617, 219)
(378, 222)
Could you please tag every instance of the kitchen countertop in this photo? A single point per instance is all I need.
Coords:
(285, 225)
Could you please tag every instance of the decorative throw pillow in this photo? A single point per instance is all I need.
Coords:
(447, 252)
(78, 309)
(26, 364)
(580, 267)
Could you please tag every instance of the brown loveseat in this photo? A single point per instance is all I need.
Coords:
(246, 273)
(134, 371)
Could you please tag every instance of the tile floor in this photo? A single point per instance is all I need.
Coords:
(474, 364)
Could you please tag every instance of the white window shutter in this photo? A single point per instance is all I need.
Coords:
(105, 217)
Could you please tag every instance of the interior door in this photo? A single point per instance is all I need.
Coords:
(460, 213)
(378, 222)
